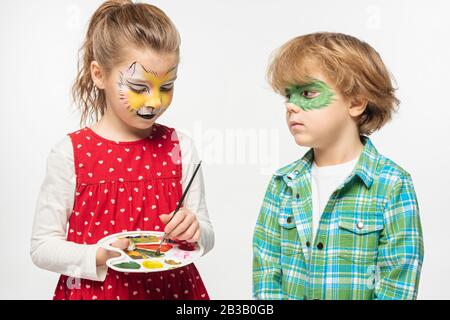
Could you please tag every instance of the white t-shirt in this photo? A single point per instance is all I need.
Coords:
(324, 181)
(49, 248)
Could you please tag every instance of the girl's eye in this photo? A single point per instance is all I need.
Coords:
(167, 87)
(310, 94)
(139, 89)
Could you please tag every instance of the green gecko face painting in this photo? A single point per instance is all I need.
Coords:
(310, 96)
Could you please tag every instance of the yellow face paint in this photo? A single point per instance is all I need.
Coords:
(146, 91)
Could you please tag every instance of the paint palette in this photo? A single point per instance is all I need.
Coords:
(141, 256)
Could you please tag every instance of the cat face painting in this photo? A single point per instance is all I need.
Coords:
(145, 92)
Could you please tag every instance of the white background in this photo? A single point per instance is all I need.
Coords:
(222, 98)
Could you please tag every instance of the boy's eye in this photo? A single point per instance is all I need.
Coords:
(308, 94)
(287, 94)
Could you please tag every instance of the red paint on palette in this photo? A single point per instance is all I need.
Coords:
(154, 247)
(187, 246)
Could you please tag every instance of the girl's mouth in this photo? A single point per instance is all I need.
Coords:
(146, 113)
(147, 116)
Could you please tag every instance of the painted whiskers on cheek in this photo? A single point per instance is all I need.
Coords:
(311, 96)
(123, 89)
(146, 92)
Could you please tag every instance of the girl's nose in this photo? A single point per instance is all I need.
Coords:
(155, 100)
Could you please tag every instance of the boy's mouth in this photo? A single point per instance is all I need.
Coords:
(146, 113)
(294, 124)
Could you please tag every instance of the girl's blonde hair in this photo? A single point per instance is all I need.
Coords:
(354, 67)
(116, 25)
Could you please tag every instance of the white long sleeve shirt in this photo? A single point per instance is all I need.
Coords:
(49, 248)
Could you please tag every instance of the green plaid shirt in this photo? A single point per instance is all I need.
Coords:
(369, 240)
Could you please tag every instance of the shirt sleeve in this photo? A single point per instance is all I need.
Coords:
(49, 248)
(195, 198)
(401, 250)
(267, 249)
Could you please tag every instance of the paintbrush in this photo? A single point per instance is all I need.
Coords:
(158, 251)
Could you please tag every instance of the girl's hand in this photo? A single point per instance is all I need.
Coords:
(104, 255)
(184, 226)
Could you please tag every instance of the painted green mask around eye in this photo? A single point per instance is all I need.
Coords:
(313, 95)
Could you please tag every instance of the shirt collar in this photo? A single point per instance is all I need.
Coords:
(298, 168)
(365, 168)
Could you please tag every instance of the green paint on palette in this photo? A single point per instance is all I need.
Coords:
(128, 265)
(148, 253)
(321, 97)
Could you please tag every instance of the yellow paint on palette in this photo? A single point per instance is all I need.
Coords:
(149, 264)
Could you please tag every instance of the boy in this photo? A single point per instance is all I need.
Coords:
(343, 221)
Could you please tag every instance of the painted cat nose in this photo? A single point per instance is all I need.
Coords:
(150, 107)
(154, 102)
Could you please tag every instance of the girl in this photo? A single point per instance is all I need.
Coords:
(126, 172)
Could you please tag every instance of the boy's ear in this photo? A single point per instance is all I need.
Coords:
(97, 75)
(357, 106)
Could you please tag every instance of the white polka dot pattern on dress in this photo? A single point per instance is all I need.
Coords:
(120, 187)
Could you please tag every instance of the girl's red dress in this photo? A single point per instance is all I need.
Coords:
(125, 186)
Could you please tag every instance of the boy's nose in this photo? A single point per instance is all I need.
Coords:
(290, 107)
